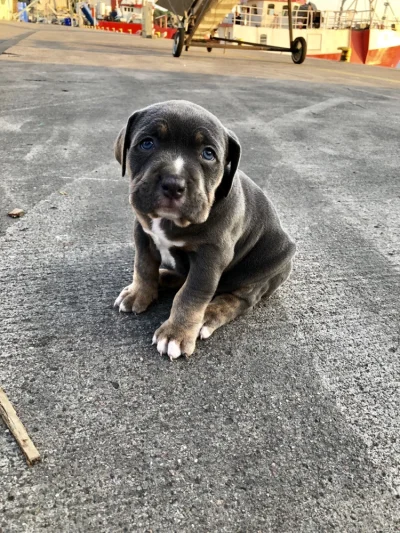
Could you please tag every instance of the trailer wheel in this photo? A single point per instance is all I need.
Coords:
(209, 49)
(179, 41)
(299, 50)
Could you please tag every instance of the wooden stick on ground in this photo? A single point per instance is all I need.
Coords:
(16, 427)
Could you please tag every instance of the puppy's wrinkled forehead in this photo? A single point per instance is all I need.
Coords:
(181, 122)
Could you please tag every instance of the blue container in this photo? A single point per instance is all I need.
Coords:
(23, 17)
(67, 21)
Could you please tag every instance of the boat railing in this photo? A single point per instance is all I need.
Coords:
(334, 20)
(245, 16)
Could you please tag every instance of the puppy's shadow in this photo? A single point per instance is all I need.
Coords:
(73, 304)
(160, 309)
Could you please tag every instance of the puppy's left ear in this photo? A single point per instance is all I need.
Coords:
(231, 165)
(123, 142)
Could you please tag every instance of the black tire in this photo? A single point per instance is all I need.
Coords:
(179, 41)
(209, 49)
(299, 50)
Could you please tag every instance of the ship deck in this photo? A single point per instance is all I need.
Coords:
(286, 420)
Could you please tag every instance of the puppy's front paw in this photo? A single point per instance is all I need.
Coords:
(175, 340)
(135, 299)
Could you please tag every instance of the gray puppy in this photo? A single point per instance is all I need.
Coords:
(209, 225)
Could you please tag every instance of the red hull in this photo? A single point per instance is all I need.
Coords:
(124, 27)
(331, 57)
(384, 57)
(361, 52)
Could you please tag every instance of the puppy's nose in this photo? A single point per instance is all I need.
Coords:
(173, 187)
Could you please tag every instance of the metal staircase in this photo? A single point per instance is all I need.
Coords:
(209, 15)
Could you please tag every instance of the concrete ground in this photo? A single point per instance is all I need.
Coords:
(286, 420)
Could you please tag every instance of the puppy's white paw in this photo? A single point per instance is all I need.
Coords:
(175, 340)
(164, 347)
(121, 296)
(205, 333)
(174, 350)
(171, 348)
(134, 299)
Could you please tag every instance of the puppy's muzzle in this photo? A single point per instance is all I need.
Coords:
(173, 187)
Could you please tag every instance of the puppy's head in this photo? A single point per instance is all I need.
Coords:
(179, 158)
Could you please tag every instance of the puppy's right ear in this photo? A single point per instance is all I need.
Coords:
(119, 145)
(123, 142)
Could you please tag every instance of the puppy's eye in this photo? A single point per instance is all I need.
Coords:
(146, 144)
(208, 154)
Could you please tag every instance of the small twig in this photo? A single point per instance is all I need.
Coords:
(16, 427)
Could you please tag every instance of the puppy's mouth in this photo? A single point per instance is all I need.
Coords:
(169, 207)
(170, 204)
(172, 209)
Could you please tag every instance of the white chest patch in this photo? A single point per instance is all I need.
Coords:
(163, 244)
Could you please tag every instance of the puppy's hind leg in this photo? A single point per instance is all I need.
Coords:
(170, 279)
(226, 307)
(223, 309)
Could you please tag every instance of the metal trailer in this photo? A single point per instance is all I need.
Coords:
(199, 20)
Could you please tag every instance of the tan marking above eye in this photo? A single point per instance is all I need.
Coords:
(162, 129)
(199, 137)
